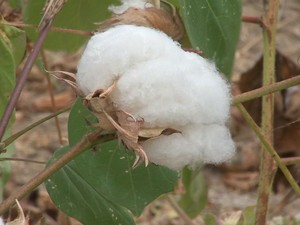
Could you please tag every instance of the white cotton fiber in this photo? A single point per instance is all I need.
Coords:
(196, 144)
(110, 54)
(173, 91)
(1, 221)
(126, 4)
(165, 86)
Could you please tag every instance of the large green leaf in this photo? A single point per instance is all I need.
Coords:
(16, 41)
(76, 14)
(7, 74)
(5, 166)
(7, 83)
(105, 176)
(72, 192)
(195, 198)
(213, 27)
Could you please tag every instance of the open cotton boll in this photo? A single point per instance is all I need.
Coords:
(110, 54)
(126, 4)
(203, 143)
(173, 91)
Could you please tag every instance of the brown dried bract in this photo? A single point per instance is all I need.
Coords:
(130, 130)
(51, 8)
(169, 23)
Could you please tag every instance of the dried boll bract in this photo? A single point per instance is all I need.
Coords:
(144, 76)
(126, 4)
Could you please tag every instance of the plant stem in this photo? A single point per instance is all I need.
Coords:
(12, 138)
(291, 160)
(252, 19)
(268, 89)
(22, 160)
(59, 29)
(179, 210)
(87, 142)
(266, 161)
(22, 78)
(270, 150)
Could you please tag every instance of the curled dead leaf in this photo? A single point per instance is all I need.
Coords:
(21, 219)
(156, 132)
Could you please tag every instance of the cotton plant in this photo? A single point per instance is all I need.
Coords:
(168, 105)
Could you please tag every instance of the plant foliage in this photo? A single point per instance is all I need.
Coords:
(102, 181)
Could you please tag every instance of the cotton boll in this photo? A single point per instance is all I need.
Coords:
(126, 4)
(173, 91)
(213, 140)
(173, 151)
(196, 144)
(110, 54)
(1, 221)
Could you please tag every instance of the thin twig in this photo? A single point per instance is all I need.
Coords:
(22, 160)
(269, 148)
(51, 92)
(15, 136)
(179, 210)
(85, 143)
(291, 160)
(22, 78)
(252, 19)
(59, 29)
(268, 89)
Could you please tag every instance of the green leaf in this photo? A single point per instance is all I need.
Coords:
(17, 41)
(81, 122)
(248, 216)
(76, 14)
(7, 74)
(7, 83)
(15, 3)
(195, 198)
(210, 219)
(5, 166)
(107, 181)
(72, 192)
(213, 27)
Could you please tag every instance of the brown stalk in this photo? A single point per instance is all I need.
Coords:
(267, 162)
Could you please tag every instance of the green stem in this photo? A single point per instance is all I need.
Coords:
(269, 149)
(12, 138)
(259, 92)
(266, 161)
(87, 142)
(179, 210)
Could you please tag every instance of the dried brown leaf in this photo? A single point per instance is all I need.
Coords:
(51, 8)
(21, 219)
(155, 132)
(97, 103)
(169, 23)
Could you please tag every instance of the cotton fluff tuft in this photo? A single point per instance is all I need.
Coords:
(165, 86)
(126, 4)
(110, 54)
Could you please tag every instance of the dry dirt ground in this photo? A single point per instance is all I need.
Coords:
(232, 187)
